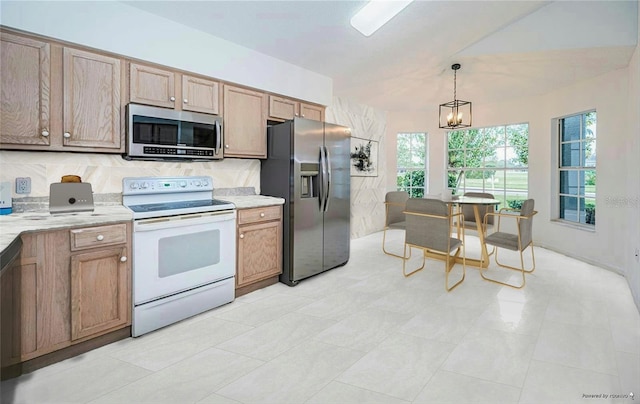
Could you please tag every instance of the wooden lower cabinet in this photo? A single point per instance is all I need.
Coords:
(100, 294)
(54, 297)
(259, 247)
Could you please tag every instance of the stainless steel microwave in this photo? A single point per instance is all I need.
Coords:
(164, 134)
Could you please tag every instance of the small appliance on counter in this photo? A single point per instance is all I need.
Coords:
(70, 195)
(5, 198)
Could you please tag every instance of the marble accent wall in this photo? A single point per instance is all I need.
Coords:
(367, 193)
(105, 171)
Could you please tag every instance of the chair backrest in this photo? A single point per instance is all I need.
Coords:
(395, 204)
(467, 210)
(425, 231)
(526, 226)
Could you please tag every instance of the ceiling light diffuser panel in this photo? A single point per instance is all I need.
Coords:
(376, 13)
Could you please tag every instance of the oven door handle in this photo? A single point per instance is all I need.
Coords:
(160, 223)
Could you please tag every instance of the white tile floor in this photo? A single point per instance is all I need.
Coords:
(363, 333)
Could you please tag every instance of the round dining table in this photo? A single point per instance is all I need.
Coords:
(476, 202)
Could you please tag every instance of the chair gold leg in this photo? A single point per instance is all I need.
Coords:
(521, 269)
(449, 267)
(384, 250)
(404, 262)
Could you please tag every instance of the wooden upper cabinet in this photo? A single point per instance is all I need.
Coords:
(245, 123)
(171, 89)
(26, 83)
(91, 94)
(283, 108)
(152, 86)
(200, 95)
(314, 112)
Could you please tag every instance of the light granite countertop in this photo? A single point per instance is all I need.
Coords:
(11, 226)
(251, 201)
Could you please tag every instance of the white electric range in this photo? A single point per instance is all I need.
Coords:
(184, 249)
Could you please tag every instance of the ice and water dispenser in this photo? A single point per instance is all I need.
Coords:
(309, 180)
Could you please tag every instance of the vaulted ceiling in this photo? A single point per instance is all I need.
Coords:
(507, 49)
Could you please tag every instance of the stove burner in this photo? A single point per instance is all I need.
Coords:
(169, 206)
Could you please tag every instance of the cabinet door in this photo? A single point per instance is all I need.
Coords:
(245, 123)
(283, 108)
(100, 298)
(259, 252)
(152, 86)
(91, 108)
(312, 112)
(25, 82)
(35, 298)
(200, 95)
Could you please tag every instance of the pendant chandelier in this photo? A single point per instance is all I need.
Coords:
(457, 113)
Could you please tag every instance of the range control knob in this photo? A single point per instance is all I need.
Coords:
(144, 185)
(196, 183)
(205, 182)
(182, 184)
(134, 185)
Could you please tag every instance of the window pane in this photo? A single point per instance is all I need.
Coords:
(589, 211)
(571, 128)
(474, 180)
(569, 208)
(590, 183)
(512, 159)
(570, 155)
(455, 180)
(590, 153)
(569, 182)
(456, 158)
(456, 139)
(517, 181)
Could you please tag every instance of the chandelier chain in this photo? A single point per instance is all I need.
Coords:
(454, 84)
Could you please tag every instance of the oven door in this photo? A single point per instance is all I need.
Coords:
(178, 253)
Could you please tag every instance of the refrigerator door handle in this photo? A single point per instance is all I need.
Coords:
(327, 196)
(323, 169)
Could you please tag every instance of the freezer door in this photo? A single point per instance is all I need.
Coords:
(337, 216)
(306, 198)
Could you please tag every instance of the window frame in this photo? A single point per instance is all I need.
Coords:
(502, 146)
(424, 166)
(559, 168)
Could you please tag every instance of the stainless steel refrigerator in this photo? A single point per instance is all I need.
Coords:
(308, 165)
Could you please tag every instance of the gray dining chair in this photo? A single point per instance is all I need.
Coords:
(467, 210)
(428, 228)
(519, 241)
(394, 204)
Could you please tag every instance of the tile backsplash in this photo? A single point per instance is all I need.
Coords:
(105, 171)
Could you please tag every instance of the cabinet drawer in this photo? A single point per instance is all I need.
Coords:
(262, 214)
(90, 237)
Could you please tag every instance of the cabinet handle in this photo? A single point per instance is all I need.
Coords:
(185, 101)
(123, 259)
(100, 237)
(261, 214)
(172, 98)
(67, 135)
(45, 133)
(242, 236)
(226, 146)
(302, 115)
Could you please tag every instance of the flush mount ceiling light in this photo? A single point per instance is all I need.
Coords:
(457, 113)
(375, 14)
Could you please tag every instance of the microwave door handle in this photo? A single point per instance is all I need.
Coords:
(219, 137)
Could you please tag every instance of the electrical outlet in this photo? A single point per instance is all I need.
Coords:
(23, 185)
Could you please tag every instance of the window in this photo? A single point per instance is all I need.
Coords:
(577, 168)
(412, 163)
(493, 160)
